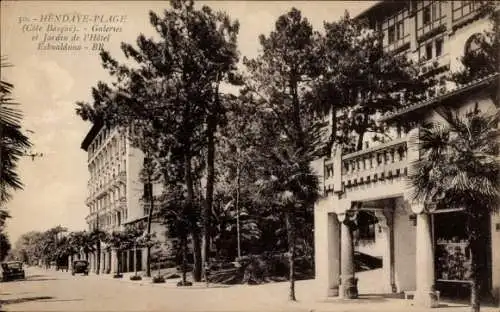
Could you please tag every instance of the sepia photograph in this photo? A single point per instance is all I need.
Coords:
(231, 155)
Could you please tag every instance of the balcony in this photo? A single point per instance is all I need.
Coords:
(383, 162)
(122, 202)
(122, 176)
(88, 200)
(435, 65)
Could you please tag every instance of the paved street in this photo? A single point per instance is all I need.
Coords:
(59, 291)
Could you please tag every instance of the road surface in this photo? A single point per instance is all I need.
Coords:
(60, 291)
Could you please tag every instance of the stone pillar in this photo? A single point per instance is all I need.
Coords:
(385, 223)
(425, 295)
(70, 262)
(327, 253)
(114, 261)
(348, 286)
(90, 260)
(93, 261)
(333, 250)
(103, 261)
(110, 262)
(96, 256)
(144, 259)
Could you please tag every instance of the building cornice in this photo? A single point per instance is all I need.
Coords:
(473, 85)
(96, 127)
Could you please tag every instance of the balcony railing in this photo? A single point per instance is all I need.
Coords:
(386, 161)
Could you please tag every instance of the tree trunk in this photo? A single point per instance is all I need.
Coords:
(192, 225)
(98, 256)
(296, 108)
(184, 258)
(333, 134)
(237, 204)
(196, 255)
(207, 207)
(290, 224)
(150, 217)
(98, 260)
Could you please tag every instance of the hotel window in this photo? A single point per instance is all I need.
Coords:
(428, 51)
(392, 34)
(431, 49)
(464, 8)
(426, 15)
(430, 15)
(400, 30)
(439, 46)
(393, 28)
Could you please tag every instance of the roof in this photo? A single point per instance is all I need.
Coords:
(96, 127)
(368, 10)
(473, 85)
(381, 8)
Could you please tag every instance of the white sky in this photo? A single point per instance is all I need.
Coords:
(48, 83)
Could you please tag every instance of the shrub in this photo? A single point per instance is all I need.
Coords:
(118, 275)
(135, 278)
(158, 279)
(187, 283)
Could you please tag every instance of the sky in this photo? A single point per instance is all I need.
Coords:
(48, 83)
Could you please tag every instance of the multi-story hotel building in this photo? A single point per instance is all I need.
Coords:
(116, 192)
(415, 243)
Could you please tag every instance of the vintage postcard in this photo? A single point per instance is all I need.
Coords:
(249, 155)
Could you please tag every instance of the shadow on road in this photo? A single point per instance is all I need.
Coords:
(39, 279)
(62, 300)
(25, 299)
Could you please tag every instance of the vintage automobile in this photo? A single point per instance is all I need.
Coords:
(12, 270)
(80, 266)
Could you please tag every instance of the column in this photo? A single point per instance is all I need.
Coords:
(95, 260)
(108, 262)
(91, 261)
(70, 262)
(385, 223)
(348, 287)
(327, 253)
(144, 259)
(114, 261)
(425, 295)
(103, 262)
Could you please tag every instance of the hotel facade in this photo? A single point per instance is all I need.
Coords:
(116, 195)
(413, 241)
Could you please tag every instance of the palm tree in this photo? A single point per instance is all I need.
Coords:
(459, 168)
(13, 142)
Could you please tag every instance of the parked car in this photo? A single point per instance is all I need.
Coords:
(80, 266)
(12, 270)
